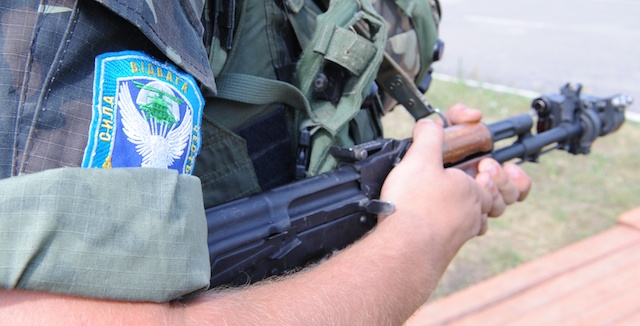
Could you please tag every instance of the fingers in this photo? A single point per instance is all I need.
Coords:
(491, 200)
(507, 189)
(484, 225)
(511, 184)
(427, 143)
(460, 113)
(520, 179)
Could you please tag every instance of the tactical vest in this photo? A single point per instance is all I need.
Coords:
(296, 77)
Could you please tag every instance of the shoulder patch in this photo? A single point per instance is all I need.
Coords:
(146, 113)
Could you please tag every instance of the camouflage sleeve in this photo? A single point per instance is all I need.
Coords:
(126, 234)
(121, 234)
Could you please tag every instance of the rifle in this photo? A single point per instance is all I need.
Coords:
(285, 228)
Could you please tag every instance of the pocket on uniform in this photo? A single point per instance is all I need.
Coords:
(223, 165)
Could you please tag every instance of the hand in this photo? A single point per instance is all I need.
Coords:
(445, 206)
(512, 184)
(495, 186)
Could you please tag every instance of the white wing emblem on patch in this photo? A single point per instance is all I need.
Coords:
(158, 133)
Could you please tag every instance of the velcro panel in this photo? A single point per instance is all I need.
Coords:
(269, 147)
(223, 165)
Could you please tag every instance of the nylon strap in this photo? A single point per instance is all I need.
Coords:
(259, 91)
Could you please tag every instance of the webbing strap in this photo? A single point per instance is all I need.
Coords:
(258, 90)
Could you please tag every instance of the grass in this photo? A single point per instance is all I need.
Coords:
(573, 197)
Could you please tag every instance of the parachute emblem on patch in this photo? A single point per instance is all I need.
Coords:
(155, 126)
(148, 116)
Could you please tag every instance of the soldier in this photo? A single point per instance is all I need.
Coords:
(87, 235)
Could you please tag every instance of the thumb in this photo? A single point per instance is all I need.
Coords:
(427, 144)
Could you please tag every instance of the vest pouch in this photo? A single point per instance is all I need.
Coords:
(337, 43)
(223, 165)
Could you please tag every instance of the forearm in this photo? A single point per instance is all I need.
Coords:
(379, 280)
(19, 307)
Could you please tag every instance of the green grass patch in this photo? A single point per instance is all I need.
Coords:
(573, 197)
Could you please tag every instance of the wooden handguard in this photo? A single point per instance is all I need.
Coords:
(463, 140)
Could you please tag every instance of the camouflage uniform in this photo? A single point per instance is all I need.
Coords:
(132, 234)
(70, 230)
(410, 42)
(412, 29)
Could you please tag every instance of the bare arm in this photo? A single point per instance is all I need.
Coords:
(381, 279)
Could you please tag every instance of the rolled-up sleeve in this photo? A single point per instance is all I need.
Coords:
(134, 234)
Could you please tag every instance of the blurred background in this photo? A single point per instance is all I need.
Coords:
(498, 55)
(539, 45)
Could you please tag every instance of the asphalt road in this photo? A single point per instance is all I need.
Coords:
(540, 45)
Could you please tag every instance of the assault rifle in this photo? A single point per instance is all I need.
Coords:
(285, 228)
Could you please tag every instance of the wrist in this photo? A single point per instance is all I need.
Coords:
(424, 236)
